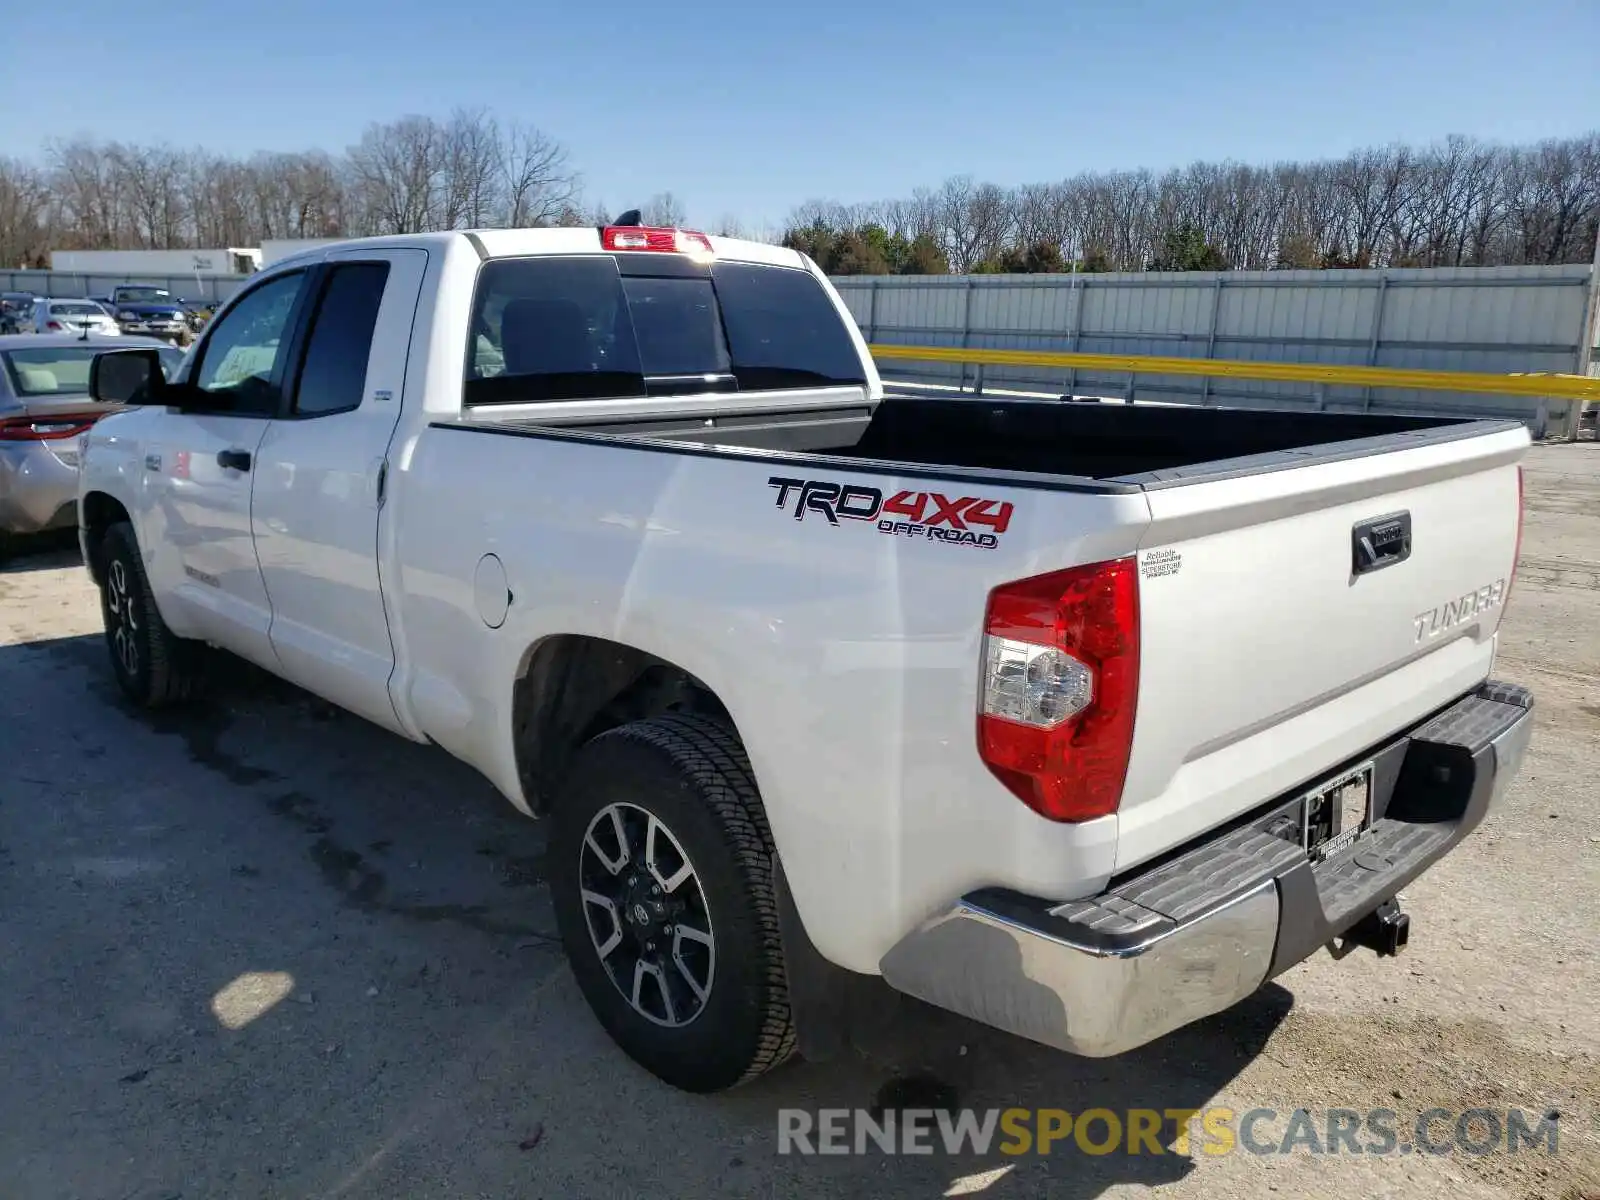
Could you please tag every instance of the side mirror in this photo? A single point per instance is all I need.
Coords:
(128, 377)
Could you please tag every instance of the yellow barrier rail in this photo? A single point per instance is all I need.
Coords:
(1573, 388)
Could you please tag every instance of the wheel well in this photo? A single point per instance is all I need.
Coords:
(573, 688)
(98, 513)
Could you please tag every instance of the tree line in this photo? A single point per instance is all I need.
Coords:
(468, 170)
(1461, 202)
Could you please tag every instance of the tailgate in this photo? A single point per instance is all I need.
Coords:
(1267, 660)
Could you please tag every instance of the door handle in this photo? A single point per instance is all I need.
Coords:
(238, 460)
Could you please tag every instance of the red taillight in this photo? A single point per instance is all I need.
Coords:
(42, 429)
(1060, 685)
(669, 241)
(56, 325)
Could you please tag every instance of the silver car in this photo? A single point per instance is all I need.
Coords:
(44, 410)
(72, 316)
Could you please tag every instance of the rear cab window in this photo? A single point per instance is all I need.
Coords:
(590, 326)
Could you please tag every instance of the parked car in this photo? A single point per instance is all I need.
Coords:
(44, 410)
(1080, 720)
(72, 316)
(16, 312)
(148, 309)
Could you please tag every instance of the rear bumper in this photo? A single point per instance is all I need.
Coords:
(1203, 930)
(37, 490)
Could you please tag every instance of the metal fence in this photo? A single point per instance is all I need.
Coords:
(1484, 319)
(73, 285)
(1498, 319)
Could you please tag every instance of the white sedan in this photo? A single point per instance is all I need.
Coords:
(72, 316)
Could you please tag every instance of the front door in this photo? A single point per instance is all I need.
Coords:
(198, 469)
(320, 475)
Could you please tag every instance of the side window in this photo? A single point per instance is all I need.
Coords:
(334, 374)
(240, 360)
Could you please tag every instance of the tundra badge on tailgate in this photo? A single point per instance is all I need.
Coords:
(1445, 617)
(929, 515)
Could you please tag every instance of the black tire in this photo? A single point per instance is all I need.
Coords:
(691, 774)
(154, 667)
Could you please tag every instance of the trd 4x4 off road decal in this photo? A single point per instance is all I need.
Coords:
(959, 520)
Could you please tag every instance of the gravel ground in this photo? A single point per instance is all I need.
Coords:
(265, 949)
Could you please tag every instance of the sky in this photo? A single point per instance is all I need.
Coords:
(751, 108)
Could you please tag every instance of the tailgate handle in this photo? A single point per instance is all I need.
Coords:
(1380, 542)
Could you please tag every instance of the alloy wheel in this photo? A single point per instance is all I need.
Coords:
(122, 617)
(646, 914)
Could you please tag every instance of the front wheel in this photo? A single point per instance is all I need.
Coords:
(154, 667)
(661, 873)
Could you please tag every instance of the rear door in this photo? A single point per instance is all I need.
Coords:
(1275, 646)
(320, 477)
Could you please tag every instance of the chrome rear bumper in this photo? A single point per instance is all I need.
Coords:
(1207, 928)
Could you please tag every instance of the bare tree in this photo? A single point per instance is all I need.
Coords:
(398, 169)
(975, 221)
(536, 176)
(663, 209)
(470, 180)
(86, 195)
(1459, 202)
(24, 204)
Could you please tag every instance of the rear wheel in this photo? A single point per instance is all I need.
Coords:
(661, 873)
(154, 667)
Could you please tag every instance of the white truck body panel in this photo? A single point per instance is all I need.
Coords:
(861, 661)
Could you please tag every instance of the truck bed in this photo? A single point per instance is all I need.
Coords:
(1121, 446)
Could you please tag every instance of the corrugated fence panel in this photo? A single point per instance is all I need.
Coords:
(1491, 319)
(72, 285)
(1495, 319)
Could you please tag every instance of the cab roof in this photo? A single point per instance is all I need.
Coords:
(517, 243)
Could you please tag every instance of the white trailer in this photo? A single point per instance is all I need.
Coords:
(275, 249)
(197, 263)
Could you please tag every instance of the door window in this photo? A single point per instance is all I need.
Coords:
(239, 368)
(334, 375)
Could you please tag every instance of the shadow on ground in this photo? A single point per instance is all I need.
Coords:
(41, 552)
(431, 1041)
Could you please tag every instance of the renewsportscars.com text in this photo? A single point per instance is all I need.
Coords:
(1209, 1131)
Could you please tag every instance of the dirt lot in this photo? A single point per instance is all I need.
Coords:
(268, 950)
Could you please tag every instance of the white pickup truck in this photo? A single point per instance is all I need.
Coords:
(1081, 720)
